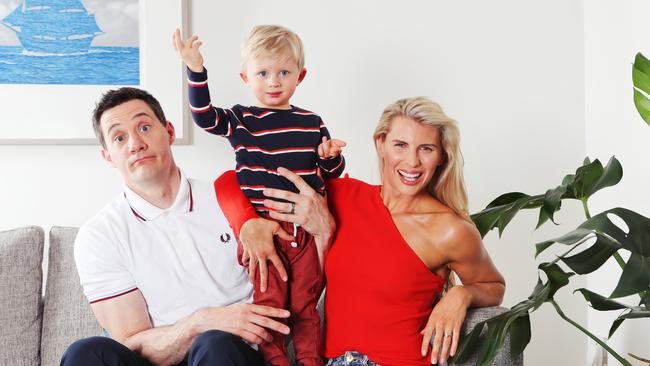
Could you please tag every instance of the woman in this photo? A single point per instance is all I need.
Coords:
(395, 244)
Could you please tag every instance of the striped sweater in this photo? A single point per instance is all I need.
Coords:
(265, 139)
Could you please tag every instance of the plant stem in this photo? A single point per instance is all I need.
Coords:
(589, 334)
(585, 208)
(619, 259)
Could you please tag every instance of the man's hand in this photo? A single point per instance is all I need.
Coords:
(330, 148)
(168, 345)
(256, 236)
(188, 51)
(248, 321)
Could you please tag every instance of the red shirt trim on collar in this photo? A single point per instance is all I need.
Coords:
(143, 219)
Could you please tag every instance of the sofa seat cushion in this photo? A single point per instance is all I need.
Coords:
(21, 277)
(66, 313)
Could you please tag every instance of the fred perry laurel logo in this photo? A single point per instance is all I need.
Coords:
(225, 238)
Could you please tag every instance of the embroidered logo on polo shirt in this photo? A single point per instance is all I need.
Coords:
(225, 238)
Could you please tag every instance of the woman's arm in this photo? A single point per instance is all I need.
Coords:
(482, 285)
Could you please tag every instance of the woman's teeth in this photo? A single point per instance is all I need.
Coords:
(409, 176)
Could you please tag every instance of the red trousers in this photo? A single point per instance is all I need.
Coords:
(299, 295)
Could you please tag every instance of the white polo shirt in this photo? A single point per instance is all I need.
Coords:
(182, 258)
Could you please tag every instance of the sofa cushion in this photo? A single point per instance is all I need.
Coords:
(21, 277)
(66, 313)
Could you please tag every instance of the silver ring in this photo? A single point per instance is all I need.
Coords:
(293, 208)
(448, 334)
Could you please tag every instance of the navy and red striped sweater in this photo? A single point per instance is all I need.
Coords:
(265, 139)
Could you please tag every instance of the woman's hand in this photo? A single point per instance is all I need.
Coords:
(442, 331)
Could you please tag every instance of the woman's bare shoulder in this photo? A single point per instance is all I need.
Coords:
(450, 231)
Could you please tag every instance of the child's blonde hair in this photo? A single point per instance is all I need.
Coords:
(272, 41)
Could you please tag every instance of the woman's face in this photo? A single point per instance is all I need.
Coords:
(411, 152)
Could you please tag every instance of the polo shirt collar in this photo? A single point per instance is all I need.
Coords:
(146, 211)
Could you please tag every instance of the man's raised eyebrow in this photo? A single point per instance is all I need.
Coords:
(141, 114)
(134, 117)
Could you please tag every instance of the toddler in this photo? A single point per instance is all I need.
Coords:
(269, 135)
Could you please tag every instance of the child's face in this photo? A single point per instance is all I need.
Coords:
(273, 80)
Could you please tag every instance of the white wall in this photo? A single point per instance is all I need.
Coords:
(614, 33)
(510, 72)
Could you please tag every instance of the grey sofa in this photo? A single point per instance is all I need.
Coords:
(36, 329)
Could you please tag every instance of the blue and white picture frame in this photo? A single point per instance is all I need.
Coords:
(57, 57)
(73, 42)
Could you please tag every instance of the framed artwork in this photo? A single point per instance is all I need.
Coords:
(57, 57)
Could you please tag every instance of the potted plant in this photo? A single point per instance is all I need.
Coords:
(580, 251)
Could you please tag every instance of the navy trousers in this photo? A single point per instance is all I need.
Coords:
(213, 347)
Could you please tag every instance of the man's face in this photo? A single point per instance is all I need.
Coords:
(137, 143)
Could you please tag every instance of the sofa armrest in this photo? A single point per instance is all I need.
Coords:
(477, 315)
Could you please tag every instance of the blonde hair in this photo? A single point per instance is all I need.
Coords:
(272, 41)
(447, 184)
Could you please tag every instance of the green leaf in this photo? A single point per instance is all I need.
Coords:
(493, 341)
(617, 323)
(557, 278)
(593, 257)
(510, 213)
(634, 313)
(468, 344)
(543, 217)
(515, 321)
(568, 238)
(636, 240)
(519, 335)
(506, 199)
(487, 219)
(568, 179)
(552, 202)
(642, 63)
(600, 302)
(645, 299)
(610, 176)
(501, 211)
(635, 277)
(642, 105)
(586, 177)
(640, 79)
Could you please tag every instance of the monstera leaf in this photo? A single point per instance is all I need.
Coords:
(602, 303)
(587, 180)
(589, 246)
(641, 80)
(515, 322)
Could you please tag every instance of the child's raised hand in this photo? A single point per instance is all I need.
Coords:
(330, 148)
(189, 51)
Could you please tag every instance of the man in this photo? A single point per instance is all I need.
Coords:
(158, 264)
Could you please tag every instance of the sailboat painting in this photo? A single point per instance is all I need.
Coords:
(72, 42)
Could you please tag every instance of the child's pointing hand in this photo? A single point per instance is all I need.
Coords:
(330, 148)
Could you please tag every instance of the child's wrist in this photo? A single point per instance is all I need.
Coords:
(196, 69)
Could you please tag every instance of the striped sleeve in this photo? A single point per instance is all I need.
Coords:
(330, 167)
(212, 119)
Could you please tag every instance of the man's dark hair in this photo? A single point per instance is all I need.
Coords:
(113, 98)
